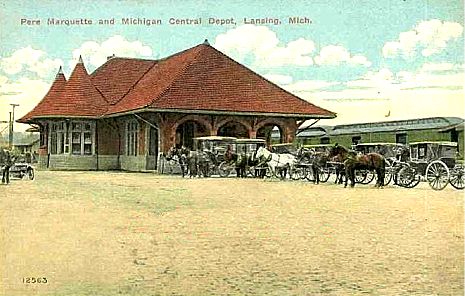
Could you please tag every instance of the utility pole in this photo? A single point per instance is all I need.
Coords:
(12, 120)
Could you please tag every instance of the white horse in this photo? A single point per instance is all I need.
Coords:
(282, 161)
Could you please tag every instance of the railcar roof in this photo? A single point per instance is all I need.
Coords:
(380, 144)
(439, 143)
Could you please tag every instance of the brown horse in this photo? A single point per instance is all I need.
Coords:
(353, 161)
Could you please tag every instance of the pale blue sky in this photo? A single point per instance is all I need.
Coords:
(346, 50)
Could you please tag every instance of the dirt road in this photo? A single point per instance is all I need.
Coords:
(109, 233)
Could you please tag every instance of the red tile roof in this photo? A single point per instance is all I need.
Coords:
(117, 76)
(200, 78)
(76, 97)
(53, 94)
(213, 81)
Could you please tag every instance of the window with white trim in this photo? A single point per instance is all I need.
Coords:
(132, 133)
(58, 138)
(81, 138)
(74, 137)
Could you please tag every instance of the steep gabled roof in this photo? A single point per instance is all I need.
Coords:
(76, 97)
(52, 95)
(204, 79)
(79, 97)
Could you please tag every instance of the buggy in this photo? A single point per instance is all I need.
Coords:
(390, 151)
(245, 148)
(324, 171)
(434, 162)
(213, 149)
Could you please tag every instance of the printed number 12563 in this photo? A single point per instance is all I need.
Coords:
(35, 280)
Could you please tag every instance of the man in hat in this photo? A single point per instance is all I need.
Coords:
(7, 163)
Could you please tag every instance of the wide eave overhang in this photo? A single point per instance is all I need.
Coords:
(223, 112)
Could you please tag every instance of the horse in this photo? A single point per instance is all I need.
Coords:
(317, 160)
(194, 163)
(181, 156)
(354, 161)
(275, 161)
(241, 161)
(338, 164)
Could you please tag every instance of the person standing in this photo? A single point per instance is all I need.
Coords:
(7, 163)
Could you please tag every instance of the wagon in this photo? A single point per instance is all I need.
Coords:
(215, 147)
(325, 171)
(249, 147)
(244, 147)
(390, 151)
(434, 162)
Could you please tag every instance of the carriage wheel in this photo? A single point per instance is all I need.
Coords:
(360, 176)
(297, 173)
(370, 176)
(324, 174)
(30, 174)
(269, 173)
(387, 173)
(437, 175)
(305, 172)
(406, 177)
(364, 176)
(309, 175)
(250, 171)
(224, 169)
(457, 177)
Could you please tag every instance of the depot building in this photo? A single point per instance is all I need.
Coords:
(129, 111)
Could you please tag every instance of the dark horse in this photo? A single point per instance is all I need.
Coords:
(240, 161)
(353, 161)
(316, 160)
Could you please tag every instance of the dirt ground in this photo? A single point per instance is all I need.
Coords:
(111, 233)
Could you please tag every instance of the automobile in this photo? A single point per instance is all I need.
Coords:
(21, 169)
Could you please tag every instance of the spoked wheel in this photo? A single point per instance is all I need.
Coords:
(298, 173)
(407, 177)
(360, 176)
(437, 175)
(387, 173)
(457, 177)
(268, 172)
(225, 169)
(364, 176)
(30, 174)
(324, 174)
(369, 178)
(251, 171)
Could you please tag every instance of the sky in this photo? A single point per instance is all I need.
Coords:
(366, 60)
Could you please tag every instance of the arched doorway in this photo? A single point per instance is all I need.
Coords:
(233, 129)
(271, 133)
(187, 131)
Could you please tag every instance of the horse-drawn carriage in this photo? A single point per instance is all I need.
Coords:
(434, 162)
(390, 151)
(212, 149)
(312, 160)
(242, 158)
